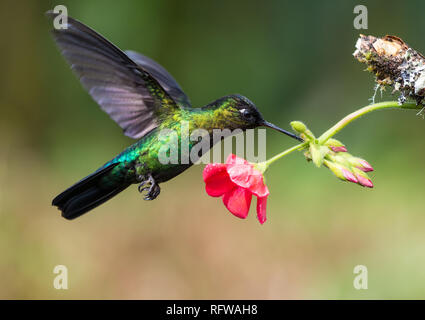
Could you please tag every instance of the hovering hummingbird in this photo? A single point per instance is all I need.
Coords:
(142, 98)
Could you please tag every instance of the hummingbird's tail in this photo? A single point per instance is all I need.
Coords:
(89, 193)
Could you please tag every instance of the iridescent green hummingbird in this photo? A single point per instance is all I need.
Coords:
(142, 98)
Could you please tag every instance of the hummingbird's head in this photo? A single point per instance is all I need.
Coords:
(240, 112)
(243, 112)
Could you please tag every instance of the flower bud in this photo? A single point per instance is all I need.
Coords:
(340, 171)
(338, 149)
(363, 165)
(336, 145)
(333, 154)
(358, 162)
(349, 175)
(298, 126)
(363, 178)
(339, 158)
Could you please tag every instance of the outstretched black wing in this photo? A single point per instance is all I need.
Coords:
(124, 89)
(165, 79)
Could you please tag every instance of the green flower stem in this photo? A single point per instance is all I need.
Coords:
(357, 114)
(264, 165)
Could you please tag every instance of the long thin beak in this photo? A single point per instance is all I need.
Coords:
(290, 134)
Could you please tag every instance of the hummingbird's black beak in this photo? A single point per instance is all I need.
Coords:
(272, 126)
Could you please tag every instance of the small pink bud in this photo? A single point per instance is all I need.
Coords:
(338, 149)
(363, 178)
(358, 163)
(349, 176)
(364, 166)
(340, 171)
(364, 181)
(336, 145)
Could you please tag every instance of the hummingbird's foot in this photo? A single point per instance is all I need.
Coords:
(151, 186)
(153, 192)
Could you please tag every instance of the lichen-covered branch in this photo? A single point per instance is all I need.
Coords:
(394, 64)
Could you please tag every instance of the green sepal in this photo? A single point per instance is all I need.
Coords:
(318, 153)
(334, 143)
(298, 126)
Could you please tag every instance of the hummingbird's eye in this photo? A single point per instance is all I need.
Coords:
(247, 114)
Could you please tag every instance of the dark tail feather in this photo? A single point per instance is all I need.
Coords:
(87, 194)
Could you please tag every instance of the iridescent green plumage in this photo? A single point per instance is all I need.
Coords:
(145, 100)
(142, 159)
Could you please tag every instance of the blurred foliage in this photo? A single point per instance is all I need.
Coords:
(293, 59)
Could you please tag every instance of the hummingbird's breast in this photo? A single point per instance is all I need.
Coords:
(170, 149)
(162, 153)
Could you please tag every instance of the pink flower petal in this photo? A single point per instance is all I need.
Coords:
(261, 209)
(239, 170)
(234, 159)
(237, 180)
(257, 185)
(238, 201)
(219, 186)
(212, 169)
(217, 180)
(243, 174)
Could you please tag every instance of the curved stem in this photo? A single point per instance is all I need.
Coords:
(357, 114)
(284, 153)
(338, 127)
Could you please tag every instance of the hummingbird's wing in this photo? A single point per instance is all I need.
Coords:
(165, 79)
(125, 90)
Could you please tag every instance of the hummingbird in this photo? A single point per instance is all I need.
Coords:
(143, 99)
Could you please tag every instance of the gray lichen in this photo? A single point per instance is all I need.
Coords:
(394, 64)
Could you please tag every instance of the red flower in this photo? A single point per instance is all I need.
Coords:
(237, 180)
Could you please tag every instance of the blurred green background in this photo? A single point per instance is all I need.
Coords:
(294, 60)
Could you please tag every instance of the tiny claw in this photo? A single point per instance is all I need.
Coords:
(153, 192)
(140, 187)
(151, 187)
(143, 189)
